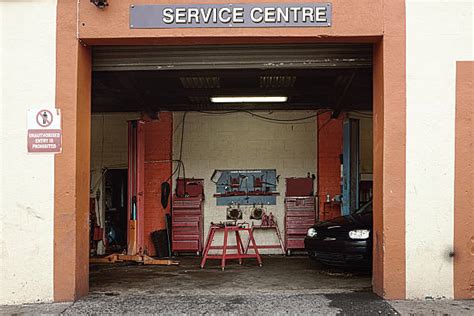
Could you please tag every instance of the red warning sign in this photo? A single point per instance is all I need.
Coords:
(44, 118)
(46, 141)
(44, 131)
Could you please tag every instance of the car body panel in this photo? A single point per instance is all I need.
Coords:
(332, 244)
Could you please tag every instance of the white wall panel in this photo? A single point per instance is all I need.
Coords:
(438, 34)
(27, 80)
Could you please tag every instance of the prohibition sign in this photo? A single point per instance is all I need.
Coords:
(44, 118)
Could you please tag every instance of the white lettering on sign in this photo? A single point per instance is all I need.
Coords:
(168, 17)
(44, 131)
(257, 15)
(226, 12)
(236, 15)
(226, 15)
(321, 15)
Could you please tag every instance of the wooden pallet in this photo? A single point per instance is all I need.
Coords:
(144, 259)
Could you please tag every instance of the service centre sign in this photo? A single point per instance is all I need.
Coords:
(230, 15)
(44, 130)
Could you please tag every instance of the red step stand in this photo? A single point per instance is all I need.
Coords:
(224, 256)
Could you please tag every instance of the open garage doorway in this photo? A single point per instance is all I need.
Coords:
(300, 154)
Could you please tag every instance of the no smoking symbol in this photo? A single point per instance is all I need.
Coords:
(44, 118)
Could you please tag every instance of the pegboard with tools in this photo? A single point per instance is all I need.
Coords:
(246, 187)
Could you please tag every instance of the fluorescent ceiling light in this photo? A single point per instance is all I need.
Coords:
(248, 99)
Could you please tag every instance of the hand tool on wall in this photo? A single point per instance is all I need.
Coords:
(165, 194)
(257, 212)
(234, 212)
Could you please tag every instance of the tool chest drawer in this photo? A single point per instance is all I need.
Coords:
(300, 203)
(300, 222)
(300, 214)
(309, 213)
(187, 212)
(185, 228)
(187, 203)
(295, 243)
(186, 221)
(187, 224)
(297, 231)
(180, 218)
(185, 245)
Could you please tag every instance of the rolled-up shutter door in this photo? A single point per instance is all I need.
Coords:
(317, 56)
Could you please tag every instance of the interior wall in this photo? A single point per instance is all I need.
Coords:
(366, 148)
(27, 81)
(240, 141)
(109, 149)
(109, 141)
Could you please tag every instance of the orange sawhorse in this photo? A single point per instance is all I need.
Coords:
(277, 231)
(241, 252)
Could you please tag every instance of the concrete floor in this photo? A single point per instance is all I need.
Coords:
(278, 275)
(283, 284)
(291, 285)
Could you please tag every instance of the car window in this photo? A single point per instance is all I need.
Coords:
(366, 208)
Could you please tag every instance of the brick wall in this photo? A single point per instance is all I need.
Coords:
(158, 147)
(330, 139)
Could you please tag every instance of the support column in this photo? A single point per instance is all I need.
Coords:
(329, 163)
(72, 166)
(464, 183)
(389, 269)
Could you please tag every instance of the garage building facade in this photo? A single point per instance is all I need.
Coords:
(422, 70)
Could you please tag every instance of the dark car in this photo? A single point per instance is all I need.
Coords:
(343, 241)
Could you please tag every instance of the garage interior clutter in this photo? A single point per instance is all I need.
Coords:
(254, 165)
(230, 157)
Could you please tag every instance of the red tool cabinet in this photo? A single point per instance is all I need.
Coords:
(300, 214)
(187, 224)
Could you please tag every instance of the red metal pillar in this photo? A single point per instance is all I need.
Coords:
(135, 209)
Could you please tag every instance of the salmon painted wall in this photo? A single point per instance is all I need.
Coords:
(330, 139)
(350, 18)
(464, 183)
(158, 152)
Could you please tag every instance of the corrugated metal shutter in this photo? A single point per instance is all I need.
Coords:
(123, 58)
